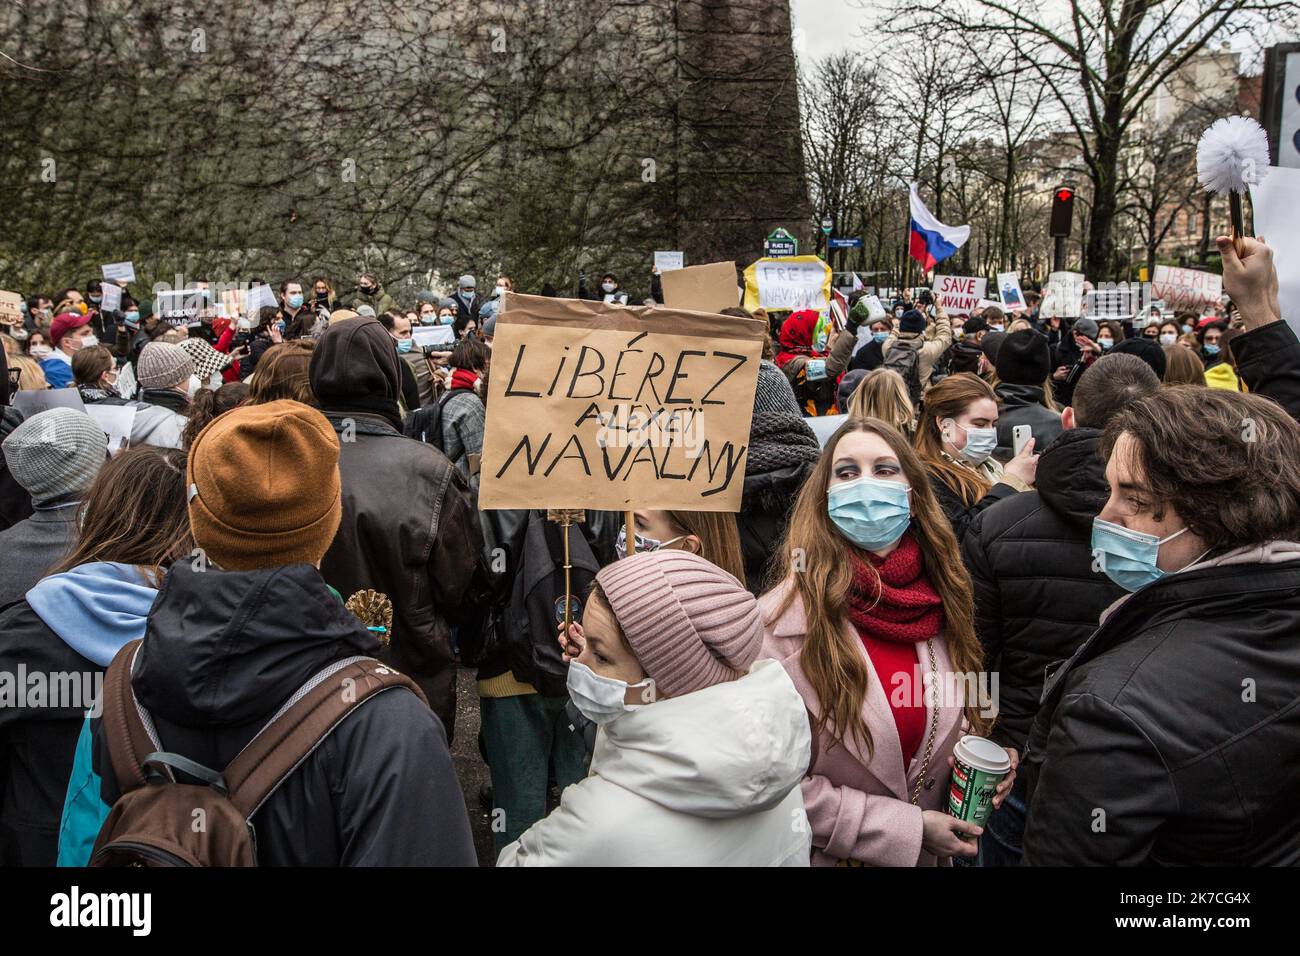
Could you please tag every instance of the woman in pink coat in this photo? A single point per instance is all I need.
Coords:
(874, 606)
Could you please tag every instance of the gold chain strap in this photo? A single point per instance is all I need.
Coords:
(934, 725)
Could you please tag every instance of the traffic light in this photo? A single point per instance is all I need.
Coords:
(1062, 210)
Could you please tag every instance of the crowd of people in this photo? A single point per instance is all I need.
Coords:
(1076, 539)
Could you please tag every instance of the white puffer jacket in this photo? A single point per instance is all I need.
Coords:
(707, 779)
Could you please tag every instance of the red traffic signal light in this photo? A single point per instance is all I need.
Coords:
(1062, 211)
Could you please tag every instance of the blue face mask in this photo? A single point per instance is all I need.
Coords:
(871, 513)
(132, 317)
(879, 336)
(404, 345)
(1211, 349)
(1105, 343)
(428, 318)
(295, 301)
(1125, 556)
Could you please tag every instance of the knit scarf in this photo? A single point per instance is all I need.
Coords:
(896, 602)
(463, 378)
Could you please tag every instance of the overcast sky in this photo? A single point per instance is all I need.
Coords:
(827, 26)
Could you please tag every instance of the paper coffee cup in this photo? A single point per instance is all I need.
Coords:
(979, 765)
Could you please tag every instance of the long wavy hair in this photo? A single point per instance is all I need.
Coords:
(719, 538)
(817, 563)
(950, 399)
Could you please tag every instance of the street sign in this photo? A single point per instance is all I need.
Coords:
(845, 243)
(780, 243)
(827, 225)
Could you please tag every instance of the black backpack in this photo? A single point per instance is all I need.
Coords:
(426, 424)
(907, 363)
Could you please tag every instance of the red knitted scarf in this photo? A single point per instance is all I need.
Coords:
(897, 602)
(463, 378)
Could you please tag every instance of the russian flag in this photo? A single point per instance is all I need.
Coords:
(931, 241)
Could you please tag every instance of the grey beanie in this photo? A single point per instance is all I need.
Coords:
(366, 310)
(162, 365)
(773, 392)
(467, 282)
(1086, 327)
(490, 326)
(56, 453)
(447, 303)
(425, 295)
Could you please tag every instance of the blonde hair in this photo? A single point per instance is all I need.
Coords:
(31, 377)
(1182, 367)
(883, 394)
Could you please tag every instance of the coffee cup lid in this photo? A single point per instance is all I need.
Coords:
(982, 754)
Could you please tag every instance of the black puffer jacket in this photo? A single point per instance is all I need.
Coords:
(224, 649)
(1022, 405)
(1037, 597)
(1173, 735)
(1268, 361)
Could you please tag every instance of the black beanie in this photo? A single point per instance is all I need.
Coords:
(1147, 350)
(912, 321)
(1024, 358)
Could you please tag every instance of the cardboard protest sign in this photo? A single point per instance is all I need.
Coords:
(598, 406)
(959, 295)
(1062, 296)
(1274, 202)
(1186, 288)
(433, 336)
(11, 308)
(118, 272)
(1009, 291)
(707, 288)
(111, 297)
(788, 284)
(668, 261)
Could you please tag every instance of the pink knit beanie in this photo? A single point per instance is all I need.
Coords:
(690, 624)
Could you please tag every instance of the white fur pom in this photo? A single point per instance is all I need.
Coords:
(1232, 155)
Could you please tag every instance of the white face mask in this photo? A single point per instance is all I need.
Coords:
(602, 699)
(608, 286)
(39, 352)
(980, 443)
(1168, 338)
(642, 544)
(89, 342)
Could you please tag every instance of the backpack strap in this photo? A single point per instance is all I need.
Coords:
(126, 735)
(303, 723)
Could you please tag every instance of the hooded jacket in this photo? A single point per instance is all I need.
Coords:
(1178, 719)
(223, 650)
(409, 527)
(152, 424)
(1037, 598)
(1023, 405)
(70, 624)
(707, 779)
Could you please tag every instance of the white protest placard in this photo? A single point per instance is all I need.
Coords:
(116, 420)
(257, 297)
(1275, 202)
(788, 284)
(959, 295)
(111, 299)
(875, 308)
(1062, 296)
(1186, 288)
(118, 272)
(667, 261)
(433, 336)
(1013, 300)
(178, 306)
